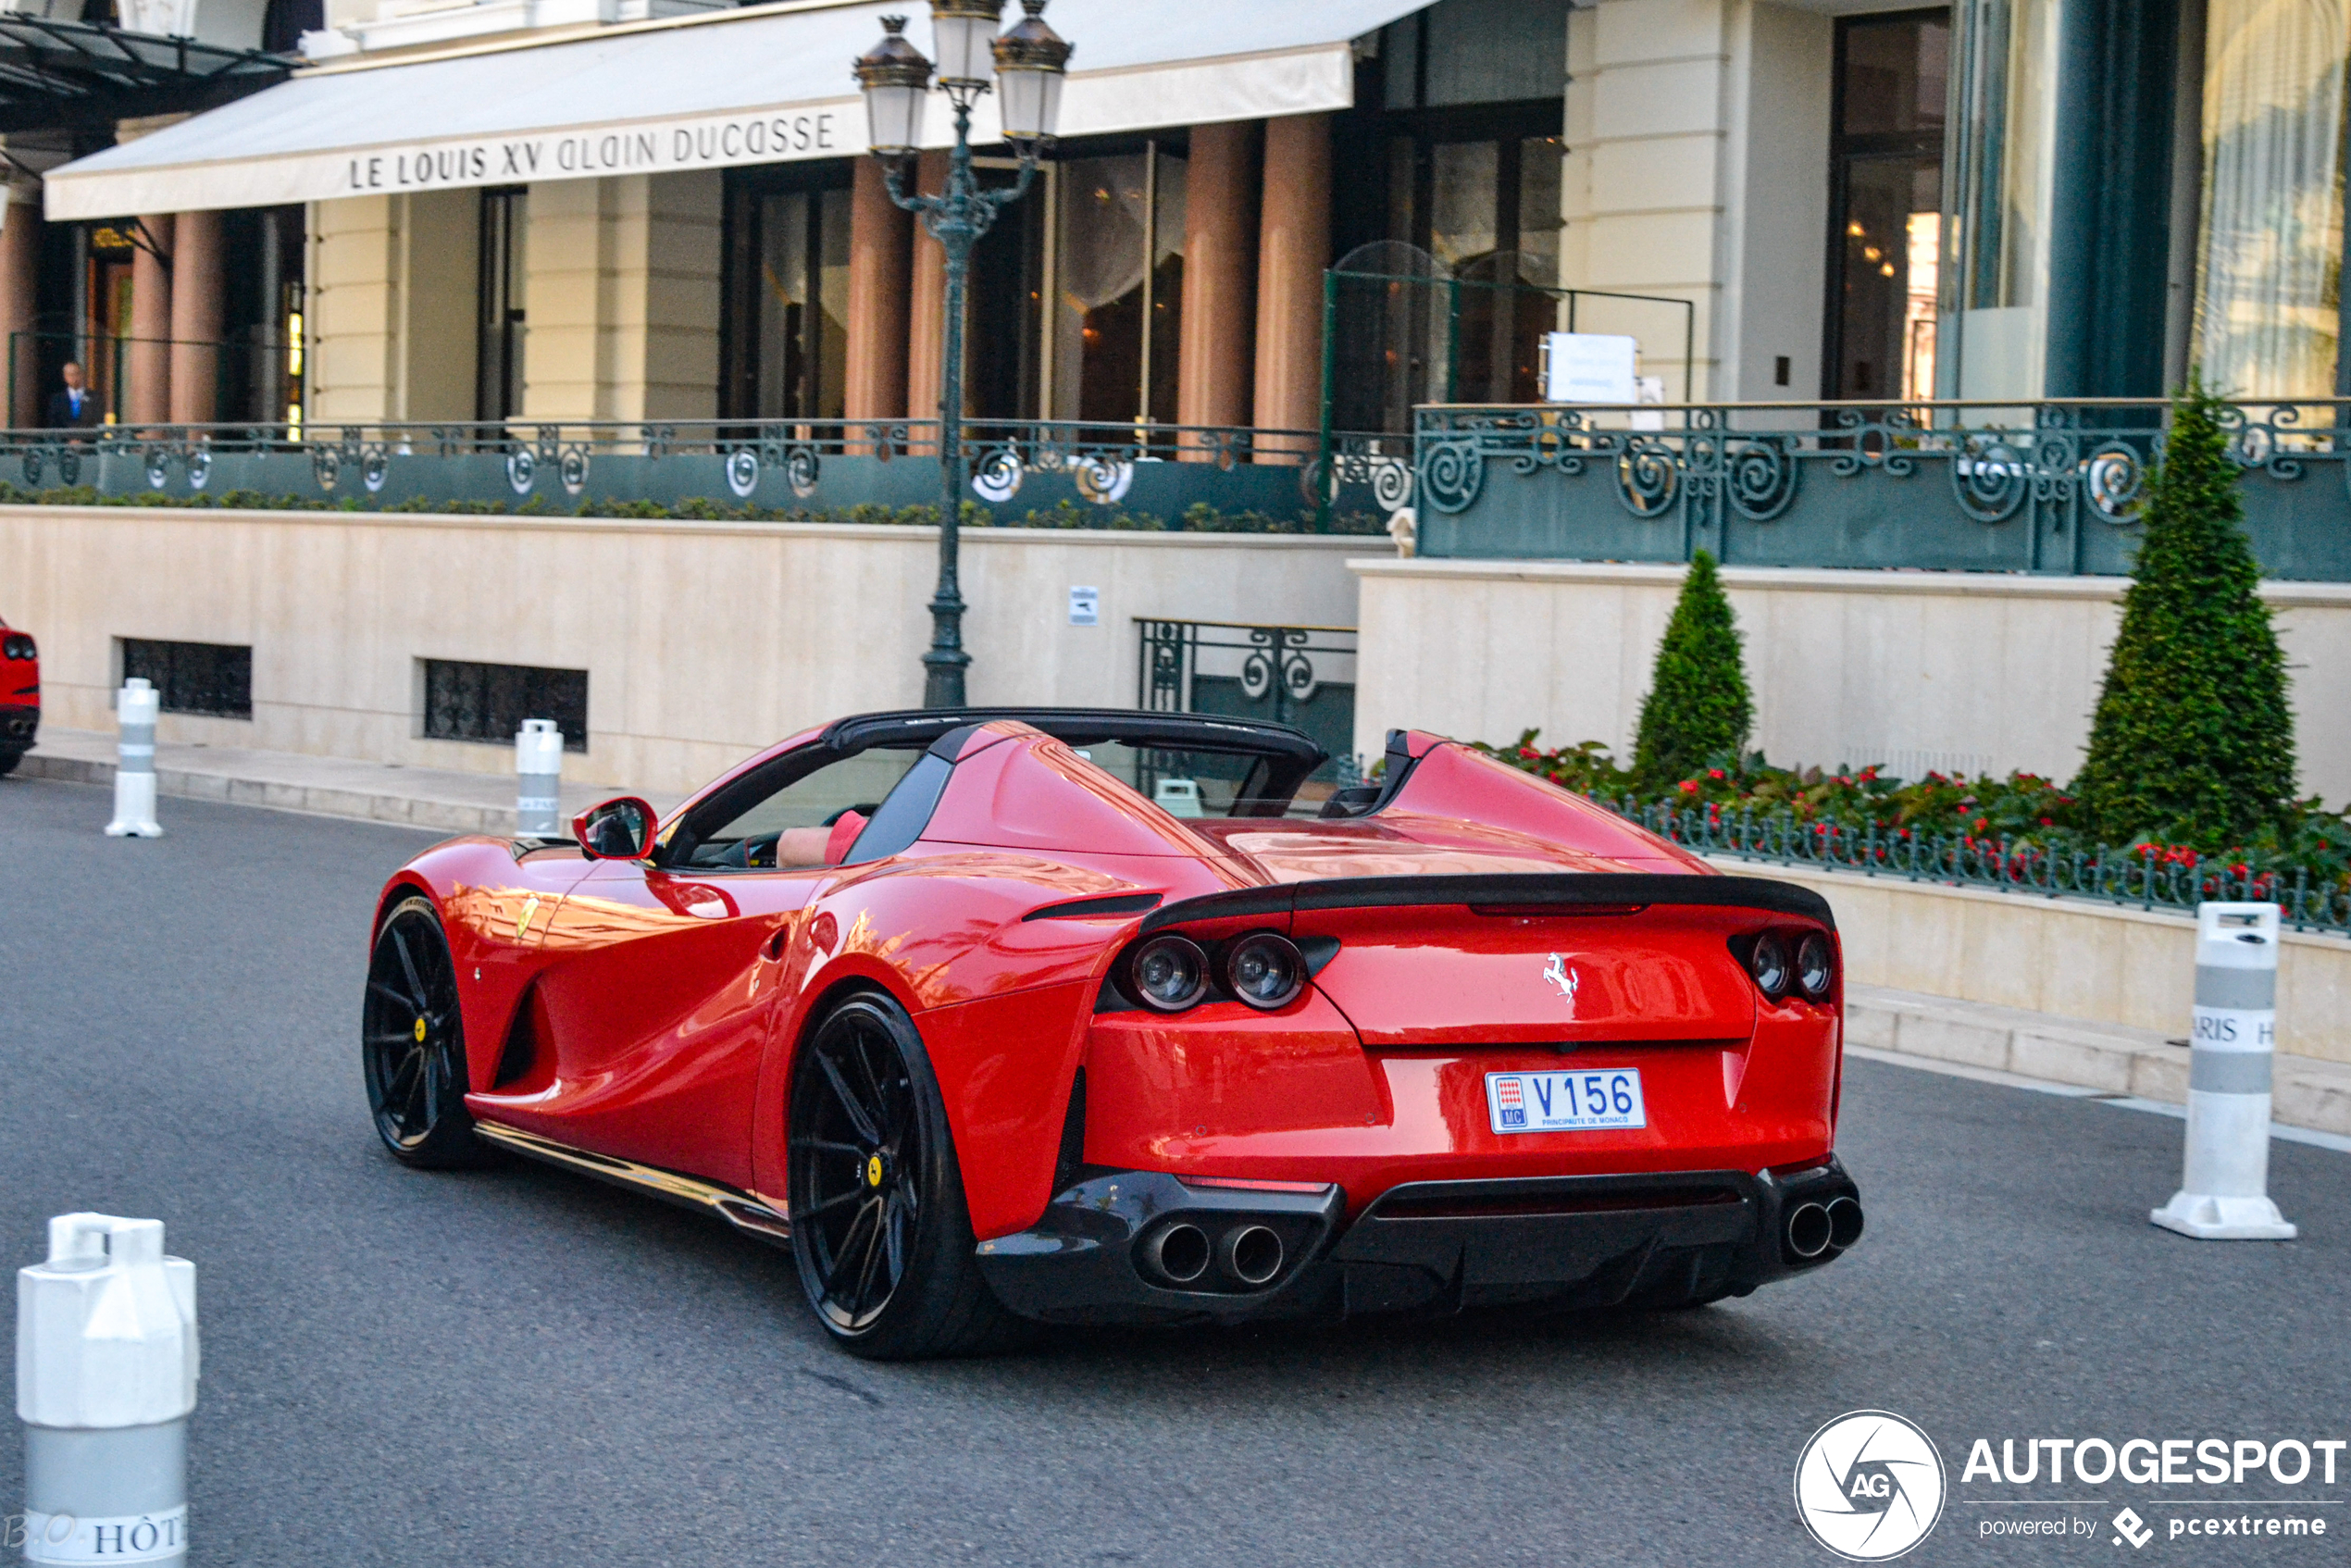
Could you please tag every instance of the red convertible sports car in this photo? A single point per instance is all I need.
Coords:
(20, 696)
(945, 1003)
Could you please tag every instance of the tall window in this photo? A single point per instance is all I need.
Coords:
(788, 268)
(1116, 287)
(498, 365)
(2269, 285)
(1476, 191)
(1886, 205)
(1996, 241)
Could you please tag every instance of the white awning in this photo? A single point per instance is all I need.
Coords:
(764, 85)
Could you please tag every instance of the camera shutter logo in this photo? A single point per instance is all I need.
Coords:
(1870, 1486)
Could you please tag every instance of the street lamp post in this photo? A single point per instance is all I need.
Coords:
(1027, 62)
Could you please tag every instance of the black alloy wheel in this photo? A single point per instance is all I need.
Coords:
(880, 1226)
(413, 1042)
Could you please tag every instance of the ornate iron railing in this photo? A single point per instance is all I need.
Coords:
(2051, 487)
(2152, 880)
(1066, 473)
(1297, 675)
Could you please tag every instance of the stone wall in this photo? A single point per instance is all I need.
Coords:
(1977, 670)
(701, 641)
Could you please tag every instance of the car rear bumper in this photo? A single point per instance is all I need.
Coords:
(1551, 1243)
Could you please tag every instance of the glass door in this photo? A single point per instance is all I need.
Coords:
(498, 384)
(1482, 196)
(1886, 205)
(1117, 288)
(787, 312)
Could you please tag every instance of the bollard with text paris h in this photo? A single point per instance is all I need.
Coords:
(134, 770)
(2224, 1195)
(538, 777)
(106, 1381)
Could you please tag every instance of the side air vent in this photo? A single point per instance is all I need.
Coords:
(519, 1056)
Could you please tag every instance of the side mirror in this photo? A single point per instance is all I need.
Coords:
(618, 830)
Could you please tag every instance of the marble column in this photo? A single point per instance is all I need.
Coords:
(147, 360)
(196, 318)
(1293, 247)
(21, 300)
(1220, 265)
(880, 261)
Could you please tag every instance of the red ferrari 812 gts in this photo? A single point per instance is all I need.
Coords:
(951, 1005)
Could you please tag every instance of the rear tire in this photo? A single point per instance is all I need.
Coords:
(413, 1043)
(880, 1228)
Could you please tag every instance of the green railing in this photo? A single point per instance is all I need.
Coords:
(1061, 473)
(2049, 487)
(1392, 341)
(2148, 879)
(1296, 675)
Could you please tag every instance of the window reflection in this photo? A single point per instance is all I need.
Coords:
(1487, 211)
(1119, 288)
(804, 325)
(788, 343)
(2267, 320)
(1996, 243)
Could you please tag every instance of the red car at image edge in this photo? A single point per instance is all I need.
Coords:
(19, 696)
(997, 1016)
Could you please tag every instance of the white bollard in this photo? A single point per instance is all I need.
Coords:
(2224, 1195)
(538, 777)
(106, 1381)
(134, 770)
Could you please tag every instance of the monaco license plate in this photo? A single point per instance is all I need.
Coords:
(1565, 1102)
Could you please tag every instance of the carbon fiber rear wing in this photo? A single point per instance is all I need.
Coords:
(1535, 890)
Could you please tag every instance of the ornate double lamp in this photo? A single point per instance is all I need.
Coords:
(1025, 64)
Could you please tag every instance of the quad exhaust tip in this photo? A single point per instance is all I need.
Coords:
(1178, 1253)
(1814, 1230)
(1808, 1230)
(1249, 1255)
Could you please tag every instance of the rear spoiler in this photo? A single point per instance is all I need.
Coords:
(1503, 891)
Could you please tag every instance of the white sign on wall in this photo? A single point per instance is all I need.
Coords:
(1085, 606)
(1589, 367)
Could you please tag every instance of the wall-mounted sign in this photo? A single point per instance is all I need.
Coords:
(1085, 606)
(1589, 367)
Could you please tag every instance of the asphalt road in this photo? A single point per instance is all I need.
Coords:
(514, 1367)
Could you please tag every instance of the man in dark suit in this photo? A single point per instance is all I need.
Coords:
(73, 408)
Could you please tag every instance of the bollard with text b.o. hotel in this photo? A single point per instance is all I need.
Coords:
(134, 771)
(2224, 1195)
(106, 1381)
(538, 777)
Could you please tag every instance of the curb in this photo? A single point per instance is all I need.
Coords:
(2105, 1058)
(401, 810)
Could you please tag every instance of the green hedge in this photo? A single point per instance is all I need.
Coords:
(2193, 739)
(2021, 813)
(1697, 711)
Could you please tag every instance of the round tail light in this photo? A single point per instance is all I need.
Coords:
(1767, 961)
(1816, 967)
(1168, 973)
(1266, 970)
